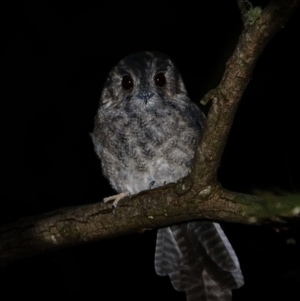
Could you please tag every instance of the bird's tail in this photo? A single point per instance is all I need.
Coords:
(199, 260)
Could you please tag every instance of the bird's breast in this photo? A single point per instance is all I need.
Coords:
(146, 153)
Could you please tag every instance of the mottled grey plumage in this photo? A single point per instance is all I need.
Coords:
(146, 133)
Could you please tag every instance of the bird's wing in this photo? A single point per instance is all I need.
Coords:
(199, 260)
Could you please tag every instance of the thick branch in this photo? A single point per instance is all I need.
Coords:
(238, 72)
(148, 210)
(197, 196)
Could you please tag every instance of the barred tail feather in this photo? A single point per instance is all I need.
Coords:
(199, 260)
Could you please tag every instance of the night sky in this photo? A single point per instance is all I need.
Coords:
(54, 60)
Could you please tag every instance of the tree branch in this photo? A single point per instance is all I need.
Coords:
(198, 196)
(164, 206)
(226, 97)
(148, 210)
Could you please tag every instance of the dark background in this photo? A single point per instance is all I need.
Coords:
(54, 59)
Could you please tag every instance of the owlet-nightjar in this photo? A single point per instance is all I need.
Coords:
(146, 133)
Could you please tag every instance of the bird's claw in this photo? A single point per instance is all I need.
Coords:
(152, 184)
(116, 199)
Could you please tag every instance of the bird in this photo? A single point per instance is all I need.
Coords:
(146, 131)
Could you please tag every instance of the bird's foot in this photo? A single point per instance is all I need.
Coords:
(116, 199)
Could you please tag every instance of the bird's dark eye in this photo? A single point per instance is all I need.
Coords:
(160, 79)
(127, 82)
